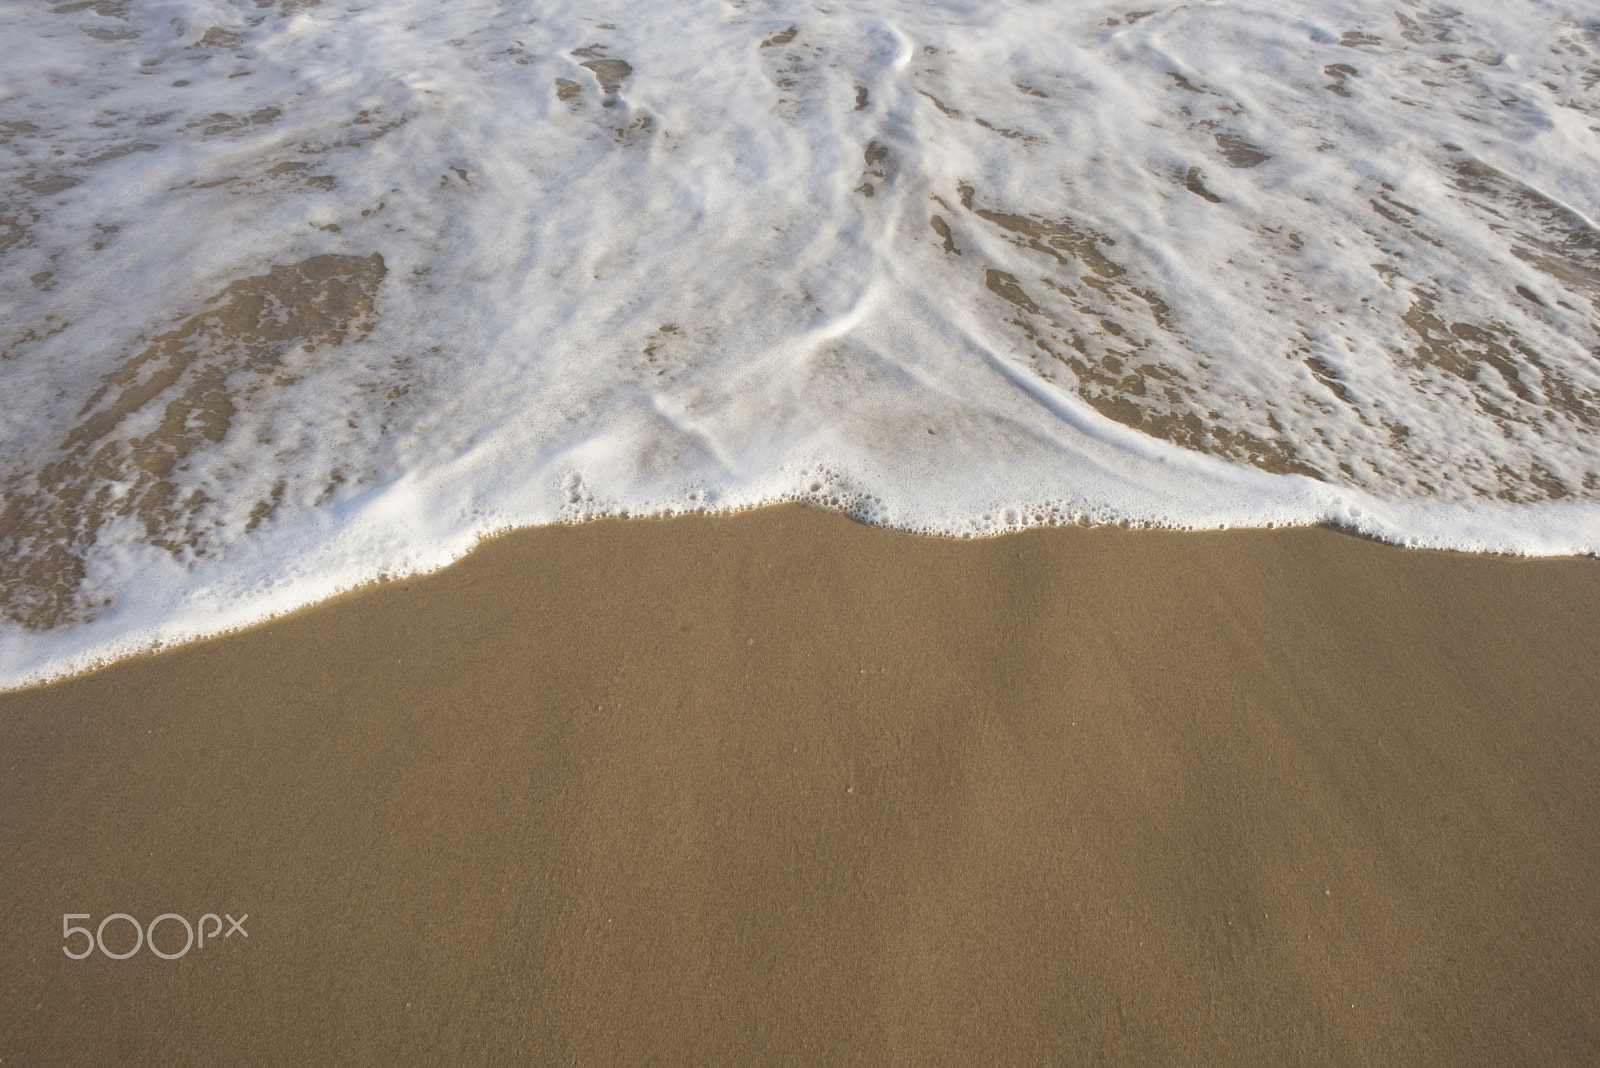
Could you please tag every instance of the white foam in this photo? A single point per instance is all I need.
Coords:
(1308, 221)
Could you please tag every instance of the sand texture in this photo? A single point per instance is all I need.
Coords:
(783, 788)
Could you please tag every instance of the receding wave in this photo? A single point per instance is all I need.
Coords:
(296, 295)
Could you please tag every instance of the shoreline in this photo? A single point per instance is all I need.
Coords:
(91, 664)
(782, 786)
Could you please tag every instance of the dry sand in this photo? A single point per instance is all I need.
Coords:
(783, 788)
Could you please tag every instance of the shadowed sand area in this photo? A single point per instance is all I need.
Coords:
(782, 788)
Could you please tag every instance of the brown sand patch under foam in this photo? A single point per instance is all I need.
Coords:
(197, 376)
(1094, 320)
(781, 787)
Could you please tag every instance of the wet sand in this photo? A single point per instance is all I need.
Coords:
(782, 788)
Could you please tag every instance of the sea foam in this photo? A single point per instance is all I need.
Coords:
(294, 296)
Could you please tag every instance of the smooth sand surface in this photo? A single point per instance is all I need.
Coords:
(782, 788)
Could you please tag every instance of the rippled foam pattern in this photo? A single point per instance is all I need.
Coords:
(295, 295)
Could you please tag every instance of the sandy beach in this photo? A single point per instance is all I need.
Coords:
(1134, 589)
(783, 788)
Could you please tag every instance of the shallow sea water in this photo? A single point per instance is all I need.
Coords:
(295, 295)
